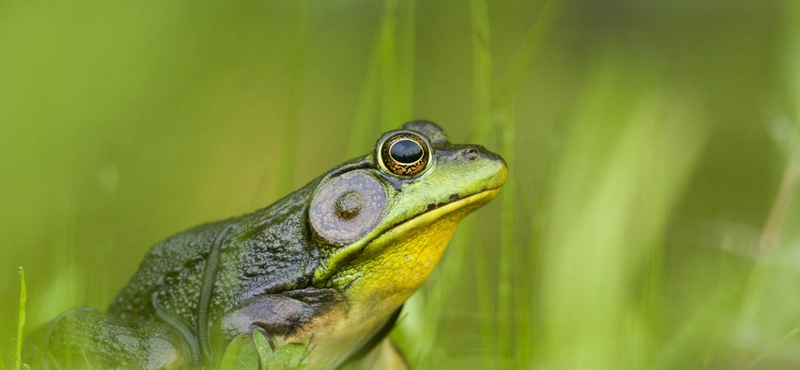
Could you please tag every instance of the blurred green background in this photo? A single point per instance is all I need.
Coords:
(649, 221)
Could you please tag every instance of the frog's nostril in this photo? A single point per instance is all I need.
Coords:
(471, 154)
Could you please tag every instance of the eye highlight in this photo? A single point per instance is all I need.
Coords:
(405, 154)
(406, 151)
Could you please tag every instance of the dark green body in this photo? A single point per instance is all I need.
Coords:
(194, 278)
(197, 290)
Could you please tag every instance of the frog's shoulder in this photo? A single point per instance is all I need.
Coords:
(273, 250)
(174, 266)
(262, 251)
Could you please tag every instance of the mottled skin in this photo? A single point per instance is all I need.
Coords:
(335, 287)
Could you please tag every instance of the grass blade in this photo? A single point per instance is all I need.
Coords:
(406, 73)
(266, 353)
(482, 71)
(241, 354)
(529, 46)
(23, 297)
(390, 114)
(482, 106)
(510, 261)
(286, 167)
(389, 82)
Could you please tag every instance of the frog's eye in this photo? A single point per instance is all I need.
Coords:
(405, 154)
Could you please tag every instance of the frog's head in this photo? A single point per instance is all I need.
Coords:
(383, 221)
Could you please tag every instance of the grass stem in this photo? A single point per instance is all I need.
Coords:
(23, 297)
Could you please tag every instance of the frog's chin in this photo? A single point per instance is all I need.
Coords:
(396, 263)
(456, 209)
(336, 274)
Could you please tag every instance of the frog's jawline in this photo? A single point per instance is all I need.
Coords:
(439, 208)
(420, 220)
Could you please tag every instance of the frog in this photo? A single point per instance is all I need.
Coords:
(328, 267)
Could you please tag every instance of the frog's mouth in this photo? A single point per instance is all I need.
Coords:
(392, 265)
(446, 214)
(456, 205)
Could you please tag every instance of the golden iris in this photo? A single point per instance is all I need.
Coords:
(405, 154)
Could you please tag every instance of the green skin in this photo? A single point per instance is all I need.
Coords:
(279, 270)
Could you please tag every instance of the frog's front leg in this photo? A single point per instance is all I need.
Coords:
(85, 338)
(282, 318)
(278, 315)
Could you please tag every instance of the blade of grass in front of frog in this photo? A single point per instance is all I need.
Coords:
(292, 356)
(23, 297)
(266, 355)
(241, 354)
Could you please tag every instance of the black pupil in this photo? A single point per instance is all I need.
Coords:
(406, 151)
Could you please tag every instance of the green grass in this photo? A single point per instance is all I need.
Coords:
(23, 298)
(481, 125)
(299, 36)
(650, 218)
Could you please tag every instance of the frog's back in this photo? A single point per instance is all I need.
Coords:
(220, 263)
(170, 276)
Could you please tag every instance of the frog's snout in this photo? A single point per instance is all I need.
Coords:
(502, 171)
(494, 166)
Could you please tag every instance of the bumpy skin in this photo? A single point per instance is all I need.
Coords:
(270, 271)
(85, 338)
(198, 276)
(266, 254)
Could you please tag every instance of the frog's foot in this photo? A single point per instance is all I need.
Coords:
(86, 338)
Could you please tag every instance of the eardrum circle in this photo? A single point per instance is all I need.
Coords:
(347, 207)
